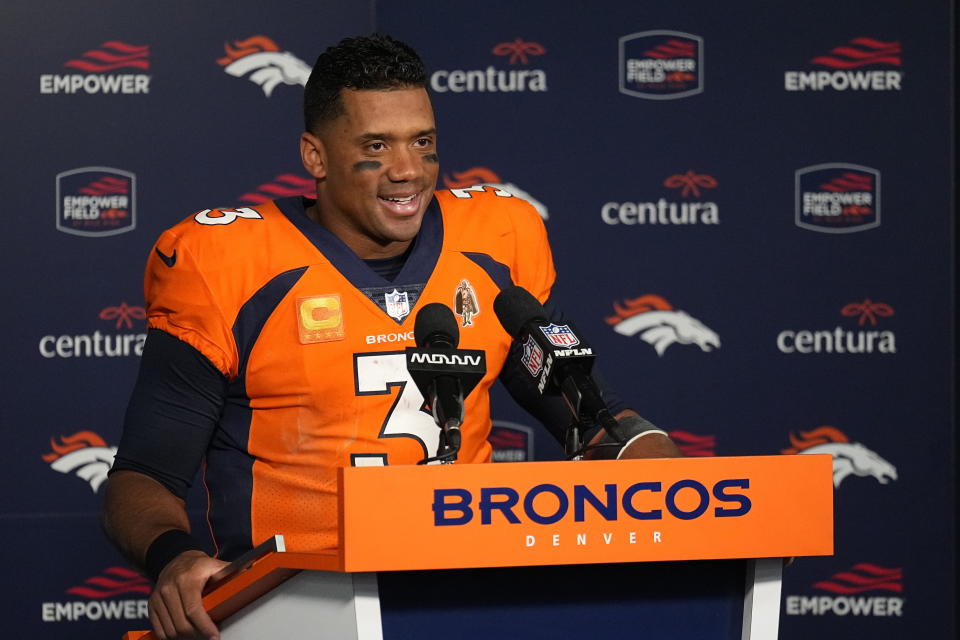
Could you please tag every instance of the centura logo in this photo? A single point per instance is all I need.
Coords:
(284, 185)
(660, 325)
(96, 201)
(96, 65)
(267, 65)
(482, 176)
(493, 80)
(844, 341)
(669, 212)
(837, 197)
(849, 458)
(846, 587)
(111, 583)
(84, 454)
(511, 441)
(684, 500)
(694, 445)
(661, 65)
(841, 69)
(97, 344)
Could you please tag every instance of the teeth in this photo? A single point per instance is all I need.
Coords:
(401, 200)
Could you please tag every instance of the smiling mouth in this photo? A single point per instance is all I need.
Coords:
(404, 200)
(401, 205)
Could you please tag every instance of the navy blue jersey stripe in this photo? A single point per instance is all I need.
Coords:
(498, 272)
(231, 488)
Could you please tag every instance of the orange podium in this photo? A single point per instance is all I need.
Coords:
(632, 536)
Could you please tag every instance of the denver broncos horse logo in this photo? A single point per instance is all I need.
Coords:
(85, 454)
(660, 325)
(849, 458)
(267, 65)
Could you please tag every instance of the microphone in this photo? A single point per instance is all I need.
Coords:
(444, 374)
(557, 359)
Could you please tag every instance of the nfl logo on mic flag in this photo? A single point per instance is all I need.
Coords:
(560, 335)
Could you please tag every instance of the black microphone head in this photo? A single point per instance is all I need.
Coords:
(515, 307)
(435, 326)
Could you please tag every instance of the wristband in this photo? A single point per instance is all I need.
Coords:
(165, 547)
(640, 435)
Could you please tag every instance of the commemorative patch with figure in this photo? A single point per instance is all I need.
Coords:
(465, 303)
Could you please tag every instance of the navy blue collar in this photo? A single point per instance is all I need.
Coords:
(419, 265)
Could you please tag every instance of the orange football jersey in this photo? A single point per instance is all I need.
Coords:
(312, 341)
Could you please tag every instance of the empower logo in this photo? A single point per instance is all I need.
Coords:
(84, 454)
(849, 458)
(483, 176)
(660, 325)
(669, 212)
(98, 67)
(841, 69)
(492, 79)
(661, 65)
(846, 589)
(260, 57)
(98, 603)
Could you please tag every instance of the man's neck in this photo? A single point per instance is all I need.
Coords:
(365, 247)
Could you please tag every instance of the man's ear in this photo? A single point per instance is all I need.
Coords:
(313, 155)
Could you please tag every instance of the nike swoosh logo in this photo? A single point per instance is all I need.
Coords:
(167, 260)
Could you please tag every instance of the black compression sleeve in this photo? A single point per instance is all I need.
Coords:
(172, 414)
(551, 411)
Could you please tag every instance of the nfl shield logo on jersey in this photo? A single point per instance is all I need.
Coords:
(398, 306)
(560, 335)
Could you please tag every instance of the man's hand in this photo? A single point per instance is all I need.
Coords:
(176, 611)
(649, 445)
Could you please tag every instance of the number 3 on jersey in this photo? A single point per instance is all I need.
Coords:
(377, 374)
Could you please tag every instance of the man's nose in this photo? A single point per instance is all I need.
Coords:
(406, 166)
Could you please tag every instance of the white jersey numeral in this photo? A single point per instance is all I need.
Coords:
(226, 215)
(378, 374)
(479, 188)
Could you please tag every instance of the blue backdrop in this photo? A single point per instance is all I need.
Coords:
(750, 207)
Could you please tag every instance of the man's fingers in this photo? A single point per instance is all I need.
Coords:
(176, 601)
(192, 598)
(173, 602)
(160, 619)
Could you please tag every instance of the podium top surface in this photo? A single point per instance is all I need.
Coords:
(542, 513)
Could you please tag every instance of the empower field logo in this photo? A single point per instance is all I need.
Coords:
(96, 201)
(661, 65)
(837, 197)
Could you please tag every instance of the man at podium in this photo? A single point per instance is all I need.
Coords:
(274, 353)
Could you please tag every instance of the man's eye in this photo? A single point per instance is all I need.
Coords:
(376, 146)
(423, 142)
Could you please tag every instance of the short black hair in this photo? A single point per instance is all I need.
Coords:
(374, 62)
